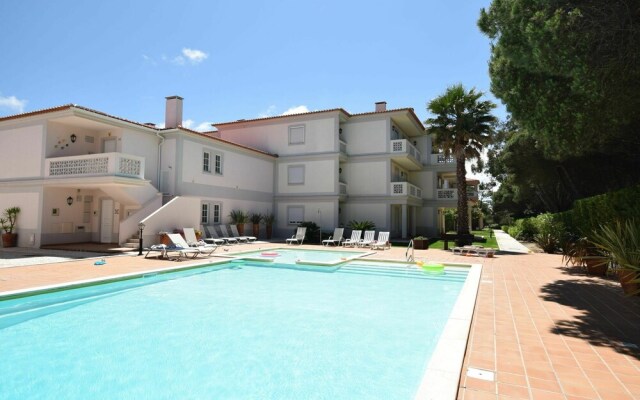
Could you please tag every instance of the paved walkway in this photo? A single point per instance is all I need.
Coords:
(540, 330)
(509, 244)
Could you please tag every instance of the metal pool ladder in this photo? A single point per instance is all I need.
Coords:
(409, 257)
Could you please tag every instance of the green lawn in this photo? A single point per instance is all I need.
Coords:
(491, 241)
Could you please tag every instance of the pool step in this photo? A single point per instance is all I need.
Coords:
(402, 272)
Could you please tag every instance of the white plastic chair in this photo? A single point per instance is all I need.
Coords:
(353, 240)
(334, 239)
(298, 238)
(382, 242)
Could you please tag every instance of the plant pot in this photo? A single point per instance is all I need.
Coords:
(626, 275)
(240, 229)
(596, 266)
(269, 230)
(9, 239)
(256, 230)
(421, 244)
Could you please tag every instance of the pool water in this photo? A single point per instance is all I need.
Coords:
(231, 332)
(293, 256)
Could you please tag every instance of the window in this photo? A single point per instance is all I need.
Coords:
(210, 213)
(206, 162)
(296, 134)
(216, 213)
(204, 214)
(295, 215)
(295, 174)
(218, 164)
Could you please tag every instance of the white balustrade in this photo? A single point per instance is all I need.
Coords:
(116, 164)
(405, 189)
(452, 194)
(343, 188)
(403, 146)
(441, 159)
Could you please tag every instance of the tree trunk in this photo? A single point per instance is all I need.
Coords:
(461, 176)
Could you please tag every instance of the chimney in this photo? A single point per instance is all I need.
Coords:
(381, 106)
(173, 113)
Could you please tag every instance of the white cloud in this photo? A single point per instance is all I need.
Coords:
(187, 123)
(194, 56)
(296, 110)
(268, 112)
(13, 104)
(203, 127)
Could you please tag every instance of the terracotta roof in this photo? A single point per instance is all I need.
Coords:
(153, 128)
(204, 134)
(68, 107)
(240, 121)
(279, 116)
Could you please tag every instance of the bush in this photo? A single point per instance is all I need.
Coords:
(312, 235)
(550, 232)
(362, 225)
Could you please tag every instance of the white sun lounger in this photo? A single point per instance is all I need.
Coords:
(382, 242)
(353, 240)
(212, 236)
(192, 241)
(298, 238)
(236, 234)
(368, 238)
(334, 239)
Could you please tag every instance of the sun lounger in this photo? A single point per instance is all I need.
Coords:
(212, 236)
(367, 239)
(382, 242)
(334, 239)
(298, 238)
(242, 238)
(192, 241)
(225, 236)
(353, 240)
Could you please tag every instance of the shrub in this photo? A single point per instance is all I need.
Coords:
(312, 235)
(362, 225)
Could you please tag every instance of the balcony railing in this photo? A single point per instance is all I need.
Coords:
(403, 146)
(452, 194)
(115, 164)
(343, 189)
(441, 159)
(405, 189)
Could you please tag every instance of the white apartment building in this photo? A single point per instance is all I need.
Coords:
(81, 175)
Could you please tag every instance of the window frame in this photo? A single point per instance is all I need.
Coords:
(295, 207)
(295, 166)
(291, 132)
(206, 161)
(217, 163)
(209, 208)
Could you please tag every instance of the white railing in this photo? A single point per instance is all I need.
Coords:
(116, 164)
(452, 194)
(403, 146)
(405, 189)
(343, 188)
(441, 159)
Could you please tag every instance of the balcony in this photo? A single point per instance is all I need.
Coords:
(452, 194)
(405, 154)
(441, 159)
(343, 189)
(405, 189)
(103, 164)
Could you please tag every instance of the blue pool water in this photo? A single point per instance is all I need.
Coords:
(365, 331)
(290, 256)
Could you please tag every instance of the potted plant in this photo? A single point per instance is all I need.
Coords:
(8, 223)
(269, 220)
(255, 219)
(583, 252)
(420, 243)
(622, 242)
(239, 218)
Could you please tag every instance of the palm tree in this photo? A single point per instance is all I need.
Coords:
(462, 125)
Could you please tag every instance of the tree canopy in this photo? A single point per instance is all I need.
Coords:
(462, 125)
(569, 72)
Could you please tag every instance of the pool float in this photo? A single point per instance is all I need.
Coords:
(433, 268)
(269, 254)
(100, 262)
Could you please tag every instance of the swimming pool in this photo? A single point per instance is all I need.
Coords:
(230, 331)
(293, 256)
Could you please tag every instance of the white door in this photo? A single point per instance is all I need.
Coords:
(106, 221)
(109, 146)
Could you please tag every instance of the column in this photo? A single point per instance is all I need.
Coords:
(403, 220)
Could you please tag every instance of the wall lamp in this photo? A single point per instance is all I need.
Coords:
(73, 138)
(69, 200)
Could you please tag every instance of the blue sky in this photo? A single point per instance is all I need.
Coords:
(237, 59)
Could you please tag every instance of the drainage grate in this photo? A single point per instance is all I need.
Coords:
(481, 374)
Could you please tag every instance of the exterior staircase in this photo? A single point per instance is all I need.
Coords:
(132, 242)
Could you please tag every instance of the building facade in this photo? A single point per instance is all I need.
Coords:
(80, 175)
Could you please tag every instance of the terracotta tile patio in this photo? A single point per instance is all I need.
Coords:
(546, 331)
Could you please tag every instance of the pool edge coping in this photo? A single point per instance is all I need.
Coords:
(442, 376)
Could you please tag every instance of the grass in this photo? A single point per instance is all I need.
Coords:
(491, 243)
